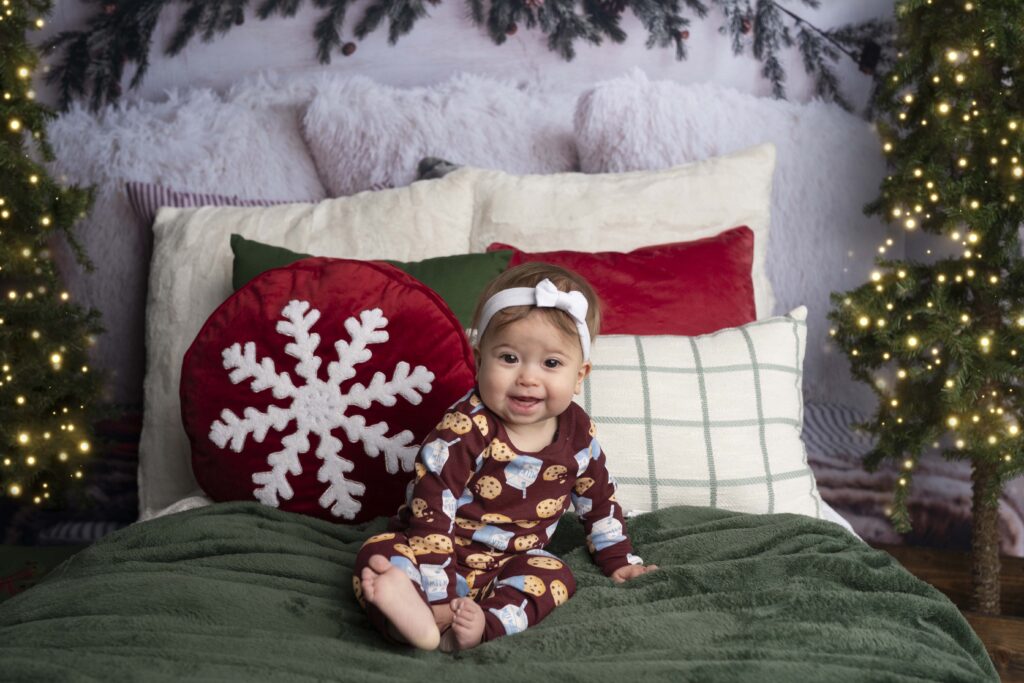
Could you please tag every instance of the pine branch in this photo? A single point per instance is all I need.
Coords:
(815, 52)
(605, 16)
(93, 60)
(328, 29)
(563, 26)
(664, 23)
(286, 8)
(402, 15)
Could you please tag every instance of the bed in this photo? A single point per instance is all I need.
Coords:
(240, 591)
(237, 571)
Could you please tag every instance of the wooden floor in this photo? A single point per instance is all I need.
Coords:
(950, 572)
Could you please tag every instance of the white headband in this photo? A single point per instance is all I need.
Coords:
(544, 295)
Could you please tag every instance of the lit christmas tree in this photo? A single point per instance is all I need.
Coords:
(941, 343)
(47, 390)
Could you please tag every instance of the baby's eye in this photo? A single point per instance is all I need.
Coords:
(552, 363)
(508, 358)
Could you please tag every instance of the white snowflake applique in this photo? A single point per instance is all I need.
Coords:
(318, 407)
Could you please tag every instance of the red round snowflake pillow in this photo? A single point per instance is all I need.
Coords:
(311, 387)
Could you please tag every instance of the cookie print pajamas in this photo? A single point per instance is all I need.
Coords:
(479, 514)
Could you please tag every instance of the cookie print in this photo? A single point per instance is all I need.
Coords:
(549, 507)
(527, 542)
(418, 506)
(559, 592)
(479, 560)
(555, 473)
(357, 588)
(501, 451)
(468, 523)
(380, 537)
(481, 424)
(545, 563)
(488, 487)
(582, 484)
(405, 550)
(495, 518)
(456, 422)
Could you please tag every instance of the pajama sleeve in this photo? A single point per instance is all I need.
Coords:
(444, 466)
(602, 516)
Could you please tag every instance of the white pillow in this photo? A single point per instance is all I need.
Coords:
(196, 141)
(365, 134)
(713, 420)
(191, 275)
(829, 166)
(621, 212)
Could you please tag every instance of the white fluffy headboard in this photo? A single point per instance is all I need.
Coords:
(307, 137)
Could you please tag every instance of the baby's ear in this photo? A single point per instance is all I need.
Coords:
(584, 371)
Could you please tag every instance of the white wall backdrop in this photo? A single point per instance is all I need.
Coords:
(805, 265)
(447, 42)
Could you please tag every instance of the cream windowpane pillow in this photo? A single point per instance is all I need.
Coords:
(713, 420)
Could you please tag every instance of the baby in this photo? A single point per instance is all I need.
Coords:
(463, 561)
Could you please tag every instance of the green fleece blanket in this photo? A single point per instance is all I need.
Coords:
(244, 592)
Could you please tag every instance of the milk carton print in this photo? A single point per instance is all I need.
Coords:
(583, 458)
(541, 553)
(448, 505)
(479, 462)
(406, 565)
(522, 472)
(551, 530)
(465, 499)
(461, 585)
(582, 504)
(493, 536)
(513, 618)
(435, 580)
(435, 454)
(465, 397)
(606, 532)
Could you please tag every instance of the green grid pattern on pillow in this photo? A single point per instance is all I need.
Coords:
(458, 279)
(713, 420)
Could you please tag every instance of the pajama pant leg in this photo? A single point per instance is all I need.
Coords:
(394, 546)
(526, 589)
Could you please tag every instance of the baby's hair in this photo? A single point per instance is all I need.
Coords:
(528, 275)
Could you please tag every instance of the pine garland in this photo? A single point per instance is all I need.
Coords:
(48, 392)
(92, 61)
(942, 343)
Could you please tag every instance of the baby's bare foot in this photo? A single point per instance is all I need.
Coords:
(468, 625)
(387, 587)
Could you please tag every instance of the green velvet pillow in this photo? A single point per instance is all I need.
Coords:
(458, 279)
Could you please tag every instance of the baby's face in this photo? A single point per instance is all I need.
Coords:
(528, 372)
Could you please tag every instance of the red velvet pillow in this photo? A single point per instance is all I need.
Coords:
(685, 288)
(311, 387)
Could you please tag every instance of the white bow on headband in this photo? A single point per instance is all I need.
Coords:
(544, 295)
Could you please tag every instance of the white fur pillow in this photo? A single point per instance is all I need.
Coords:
(624, 211)
(829, 165)
(364, 134)
(195, 140)
(191, 276)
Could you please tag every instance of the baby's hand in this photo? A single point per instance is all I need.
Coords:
(631, 571)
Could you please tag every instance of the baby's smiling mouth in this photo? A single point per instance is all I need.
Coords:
(524, 401)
